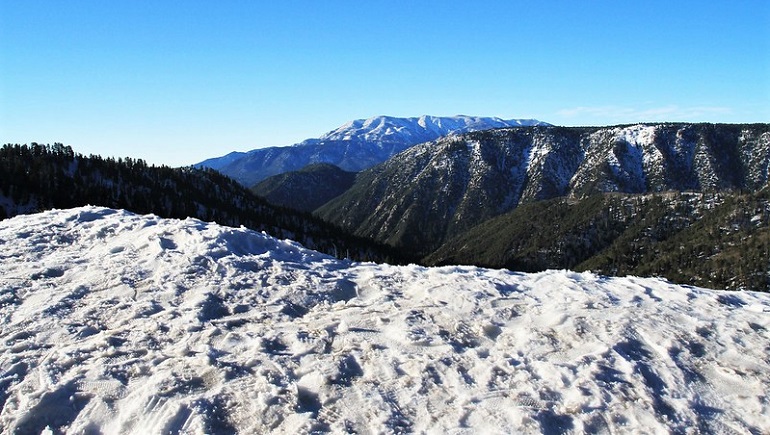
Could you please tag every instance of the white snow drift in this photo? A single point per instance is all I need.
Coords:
(119, 323)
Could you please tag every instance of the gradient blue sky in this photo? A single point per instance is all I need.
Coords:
(176, 82)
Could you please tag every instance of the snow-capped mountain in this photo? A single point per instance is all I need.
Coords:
(119, 323)
(355, 146)
(381, 129)
(442, 188)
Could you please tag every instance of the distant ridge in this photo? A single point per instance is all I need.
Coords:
(354, 146)
(305, 189)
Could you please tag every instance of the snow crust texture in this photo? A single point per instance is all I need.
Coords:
(119, 323)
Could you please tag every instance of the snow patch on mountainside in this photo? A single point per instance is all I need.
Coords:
(637, 134)
(119, 323)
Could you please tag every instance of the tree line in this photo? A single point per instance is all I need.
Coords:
(38, 177)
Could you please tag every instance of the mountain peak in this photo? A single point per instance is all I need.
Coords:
(354, 146)
(424, 128)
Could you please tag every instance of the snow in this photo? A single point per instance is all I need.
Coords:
(637, 134)
(118, 323)
(421, 129)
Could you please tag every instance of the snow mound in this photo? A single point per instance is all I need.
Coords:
(119, 323)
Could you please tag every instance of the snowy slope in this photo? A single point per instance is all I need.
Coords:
(119, 323)
(354, 146)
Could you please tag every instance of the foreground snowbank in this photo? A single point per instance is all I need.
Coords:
(117, 323)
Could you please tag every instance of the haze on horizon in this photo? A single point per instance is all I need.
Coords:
(176, 83)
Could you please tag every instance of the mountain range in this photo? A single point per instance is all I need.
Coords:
(439, 189)
(354, 146)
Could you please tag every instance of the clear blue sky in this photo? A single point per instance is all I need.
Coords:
(175, 82)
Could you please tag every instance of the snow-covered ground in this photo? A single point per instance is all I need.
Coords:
(117, 323)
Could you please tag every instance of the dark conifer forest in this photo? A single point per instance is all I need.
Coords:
(37, 177)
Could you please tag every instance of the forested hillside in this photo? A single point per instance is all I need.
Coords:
(306, 189)
(39, 177)
(716, 240)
